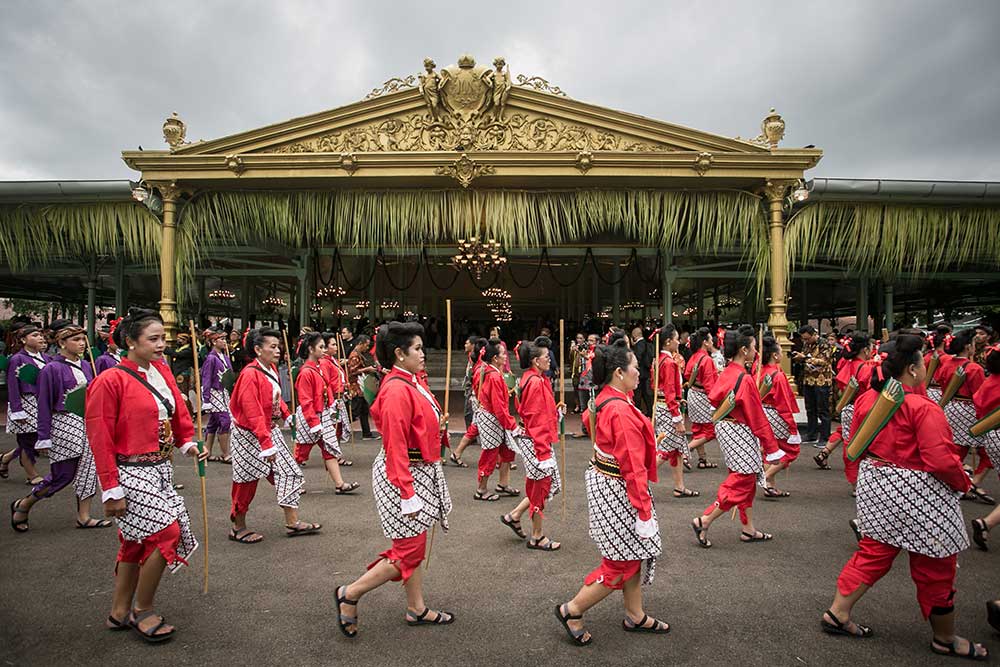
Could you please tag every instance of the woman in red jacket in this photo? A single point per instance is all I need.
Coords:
(701, 374)
(495, 424)
(410, 491)
(622, 516)
(986, 400)
(854, 365)
(133, 422)
(258, 446)
(939, 341)
(960, 411)
(742, 434)
(671, 436)
(315, 422)
(780, 407)
(476, 364)
(540, 414)
(909, 485)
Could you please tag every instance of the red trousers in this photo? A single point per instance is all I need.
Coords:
(703, 431)
(672, 456)
(934, 577)
(537, 490)
(472, 432)
(165, 540)
(304, 449)
(405, 555)
(737, 490)
(613, 573)
(488, 460)
(791, 452)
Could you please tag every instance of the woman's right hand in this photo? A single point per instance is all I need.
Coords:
(114, 508)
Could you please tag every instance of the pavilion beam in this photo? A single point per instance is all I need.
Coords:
(616, 292)
(304, 290)
(888, 305)
(121, 290)
(91, 299)
(668, 295)
(862, 305)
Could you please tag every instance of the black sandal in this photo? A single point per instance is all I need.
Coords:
(951, 650)
(657, 628)
(16, 525)
(758, 536)
(685, 493)
(150, 634)
(856, 527)
(507, 490)
(99, 523)
(348, 487)
(442, 618)
(344, 462)
(979, 533)
(687, 464)
(244, 536)
(703, 464)
(977, 494)
(838, 627)
(5, 469)
(302, 528)
(457, 461)
(699, 532)
(820, 460)
(346, 621)
(115, 625)
(774, 492)
(575, 635)
(541, 545)
(486, 496)
(508, 521)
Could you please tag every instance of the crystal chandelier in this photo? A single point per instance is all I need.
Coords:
(221, 295)
(273, 302)
(478, 257)
(330, 292)
(498, 300)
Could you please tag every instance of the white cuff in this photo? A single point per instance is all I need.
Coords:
(545, 464)
(269, 451)
(795, 439)
(43, 444)
(646, 529)
(186, 446)
(316, 429)
(20, 415)
(114, 493)
(411, 505)
(774, 456)
(677, 419)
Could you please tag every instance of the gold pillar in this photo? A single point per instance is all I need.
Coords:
(777, 320)
(168, 258)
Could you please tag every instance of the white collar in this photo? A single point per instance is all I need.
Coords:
(411, 376)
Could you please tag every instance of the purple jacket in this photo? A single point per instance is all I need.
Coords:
(16, 388)
(53, 382)
(105, 361)
(211, 373)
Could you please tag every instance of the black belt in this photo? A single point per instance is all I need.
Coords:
(607, 466)
(415, 455)
(147, 459)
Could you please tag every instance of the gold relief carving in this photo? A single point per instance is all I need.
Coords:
(349, 163)
(174, 131)
(540, 84)
(775, 190)
(519, 132)
(234, 163)
(703, 162)
(169, 191)
(584, 161)
(772, 130)
(430, 84)
(393, 85)
(465, 170)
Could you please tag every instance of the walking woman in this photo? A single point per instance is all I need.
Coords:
(780, 407)
(474, 377)
(410, 490)
(315, 422)
(909, 484)
(701, 374)
(495, 425)
(133, 423)
(671, 436)
(742, 434)
(215, 397)
(540, 414)
(854, 365)
(63, 433)
(22, 400)
(987, 400)
(622, 516)
(258, 446)
(960, 411)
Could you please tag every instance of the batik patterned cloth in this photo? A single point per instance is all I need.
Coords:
(909, 509)
(961, 416)
(699, 408)
(491, 432)
(429, 485)
(668, 439)
(778, 425)
(533, 468)
(152, 504)
(612, 524)
(249, 466)
(29, 405)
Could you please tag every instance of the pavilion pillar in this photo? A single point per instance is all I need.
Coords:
(304, 300)
(888, 305)
(121, 291)
(91, 299)
(245, 297)
(594, 296)
(668, 296)
(862, 323)
(777, 319)
(616, 293)
(202, 300)
(170, 194)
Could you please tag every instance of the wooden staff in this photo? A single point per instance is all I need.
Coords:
(656, 379)
(200, 464)
(90, 353)
(562, 399)
(342, 355)
(291, 381)
(760, 353)
(447, 395)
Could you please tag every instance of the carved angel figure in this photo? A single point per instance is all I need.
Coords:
(429, 85)
(501, 86)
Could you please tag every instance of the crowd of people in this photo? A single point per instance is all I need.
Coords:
(912, 407)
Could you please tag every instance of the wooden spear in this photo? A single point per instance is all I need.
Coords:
(291, 382)
(201, 446)
(444, 416)
(562, 399)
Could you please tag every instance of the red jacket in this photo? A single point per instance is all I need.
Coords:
(987, 397)
(749, 410)
(537, 407)
(848, 369)
(312, 394)
(707, 372)
(334, 376)
(626, 434)
(252, 401)
(407, 420)
(943, 358)
(123, 418)
(917, 437)
(669, 383)
(494, 397)
(781, 397)
(974, 375)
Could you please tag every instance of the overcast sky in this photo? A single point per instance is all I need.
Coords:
(887, 89)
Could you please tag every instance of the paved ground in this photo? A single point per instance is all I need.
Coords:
(272, 603)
